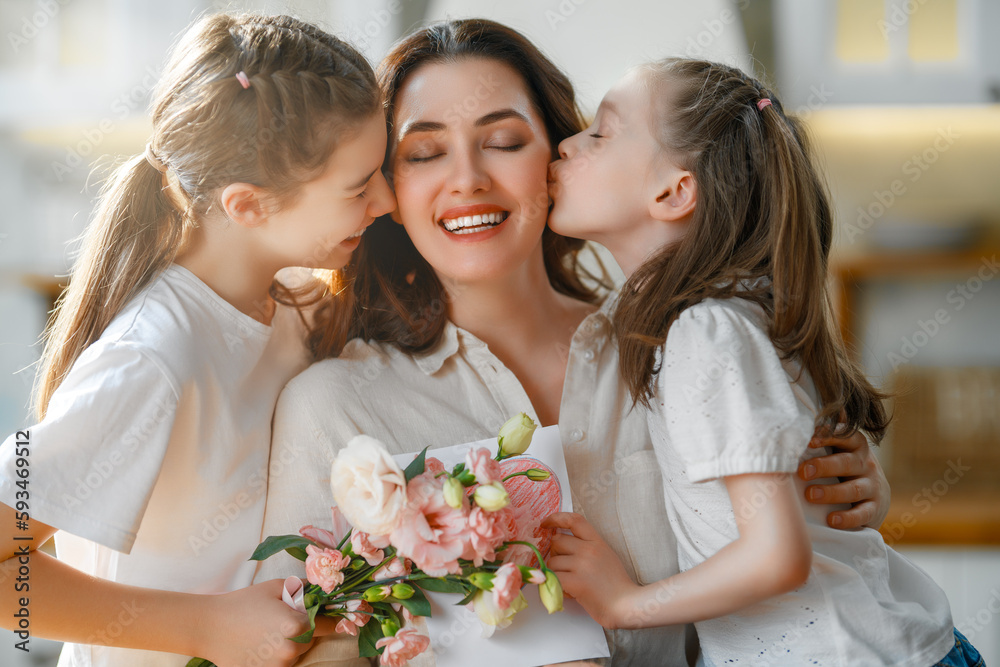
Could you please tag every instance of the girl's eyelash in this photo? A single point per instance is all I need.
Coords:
(422, 159)
(596, 135)
(509, 149)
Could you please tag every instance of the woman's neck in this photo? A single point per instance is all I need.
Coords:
(525, 322)
(231, 270)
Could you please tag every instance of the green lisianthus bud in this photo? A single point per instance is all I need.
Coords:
(376, 593)
(551, 592)
(491, 497)
(515, 435)
(454, 492)
(537, 474)
(389, 628)
(482, 580)
(402, 591)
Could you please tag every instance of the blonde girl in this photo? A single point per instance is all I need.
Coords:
(167, 352)
(702, 188)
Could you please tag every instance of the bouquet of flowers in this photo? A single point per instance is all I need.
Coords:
(472, 531)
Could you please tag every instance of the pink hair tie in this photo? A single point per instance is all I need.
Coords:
(763, 103)
(242, 78)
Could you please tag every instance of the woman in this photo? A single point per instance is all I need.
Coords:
(470, 310)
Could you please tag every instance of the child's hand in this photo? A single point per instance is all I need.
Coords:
(589, 570)
(251, 626)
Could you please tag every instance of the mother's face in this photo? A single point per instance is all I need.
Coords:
(469, 162)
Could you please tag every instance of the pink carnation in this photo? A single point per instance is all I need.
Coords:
(351, 620)
(323, 567)
(481, 464)
(324, 538)
(403, 647)
(506, 585)
(489, 530)
(368, 546)
(430, 532)
(397, 567)
(433, 465)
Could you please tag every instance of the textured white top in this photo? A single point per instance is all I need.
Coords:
(152, 458)
(727, 404)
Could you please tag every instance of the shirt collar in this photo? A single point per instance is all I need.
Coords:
(432, 362)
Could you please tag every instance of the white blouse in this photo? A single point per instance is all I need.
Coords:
(728, 404)
(460, 392)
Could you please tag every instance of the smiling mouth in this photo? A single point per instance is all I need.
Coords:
(470, 224)
(356, 234)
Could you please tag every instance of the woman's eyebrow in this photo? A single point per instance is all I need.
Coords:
(497, 116)
(434, 126)
(421, 126)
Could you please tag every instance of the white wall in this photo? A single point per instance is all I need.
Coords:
(595, 41)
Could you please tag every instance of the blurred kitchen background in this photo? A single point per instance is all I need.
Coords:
(903, 101)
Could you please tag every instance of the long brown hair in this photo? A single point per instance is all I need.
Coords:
(306, 89)
(762, 211)
(398, 297)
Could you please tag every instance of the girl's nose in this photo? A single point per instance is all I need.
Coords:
(383, 200)
(564, 147)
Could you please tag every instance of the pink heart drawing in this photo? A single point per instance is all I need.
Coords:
(532, 502)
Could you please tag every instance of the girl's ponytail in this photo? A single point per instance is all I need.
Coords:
(762, 212)
(135, 234)
(243, 99)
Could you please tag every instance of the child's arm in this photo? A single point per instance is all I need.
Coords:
(248, 626)
(772, 555)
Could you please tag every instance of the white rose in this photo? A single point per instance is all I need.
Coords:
(368, 485)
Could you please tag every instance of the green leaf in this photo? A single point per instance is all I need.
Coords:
(276, 543)
(440, 585)
(307, 636)
(468, 598)
(370, 633)
(199, 662)
(298, 552)
(418, 605)
(416, 465)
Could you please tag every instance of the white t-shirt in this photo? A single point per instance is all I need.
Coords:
(152, 458)
(727, 404)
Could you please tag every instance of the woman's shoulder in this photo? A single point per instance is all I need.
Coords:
(364, 368)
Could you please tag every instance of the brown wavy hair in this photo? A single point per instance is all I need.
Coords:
(762, 212)
(397, 297)
(307, 88)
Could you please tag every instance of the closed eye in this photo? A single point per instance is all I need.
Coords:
(423, 158)
(510, 149)
(596, 135)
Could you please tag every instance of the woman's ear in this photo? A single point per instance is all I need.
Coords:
(676, 198)
(244, 204)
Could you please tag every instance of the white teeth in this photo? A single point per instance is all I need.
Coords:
(356, 234)
(467, 223)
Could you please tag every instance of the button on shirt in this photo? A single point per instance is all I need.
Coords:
(461, 392)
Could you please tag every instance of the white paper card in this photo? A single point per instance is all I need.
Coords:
(535, 637)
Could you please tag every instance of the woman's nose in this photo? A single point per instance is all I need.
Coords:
(468, 174)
